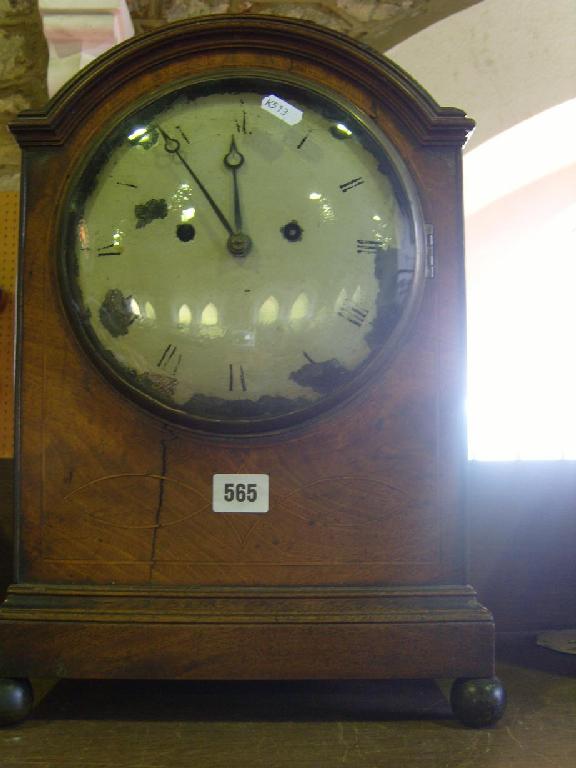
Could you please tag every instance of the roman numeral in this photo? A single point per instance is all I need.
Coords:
(301, 143)
(241, 124)
(181, 132)
(353, 313)
(352, 184)
(110, 250)
(170, 360)
(236, 378)
(373, 247)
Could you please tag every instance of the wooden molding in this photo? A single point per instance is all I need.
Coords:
(246, 633)
(191, 39)
(271, 605)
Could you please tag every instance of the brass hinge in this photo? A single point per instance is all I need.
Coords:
(430, 268)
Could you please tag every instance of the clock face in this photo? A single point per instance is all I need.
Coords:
(240, 252)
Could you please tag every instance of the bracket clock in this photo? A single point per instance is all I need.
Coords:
(240, 389)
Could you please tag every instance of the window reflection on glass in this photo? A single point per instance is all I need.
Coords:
(342, 296)
(184, 316)
(301, 308)
(149, 311)
(209, 315)
(269, 311)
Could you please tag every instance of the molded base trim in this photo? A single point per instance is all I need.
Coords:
(267, 633)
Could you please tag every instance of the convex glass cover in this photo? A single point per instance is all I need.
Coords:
(240, 252)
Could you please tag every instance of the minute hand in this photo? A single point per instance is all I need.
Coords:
(172, 146)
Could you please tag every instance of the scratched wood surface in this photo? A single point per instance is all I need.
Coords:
(216, 725)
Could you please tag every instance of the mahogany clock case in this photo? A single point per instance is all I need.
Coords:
(358, 569)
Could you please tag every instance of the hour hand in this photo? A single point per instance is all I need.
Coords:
(234, 160)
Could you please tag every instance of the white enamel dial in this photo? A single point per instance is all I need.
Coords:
(240, 250)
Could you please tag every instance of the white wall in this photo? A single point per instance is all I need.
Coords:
(77, 32)
(511, 64)
(501, 61)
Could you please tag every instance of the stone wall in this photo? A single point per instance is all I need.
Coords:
(23, 64)
(24, 53)
(379, 23)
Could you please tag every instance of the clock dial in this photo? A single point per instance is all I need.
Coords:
(240, 251)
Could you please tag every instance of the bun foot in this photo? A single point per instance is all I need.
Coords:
(478, 703)
(16, 700)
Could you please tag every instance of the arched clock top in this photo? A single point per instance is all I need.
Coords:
(241, 372)
(389, 85)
